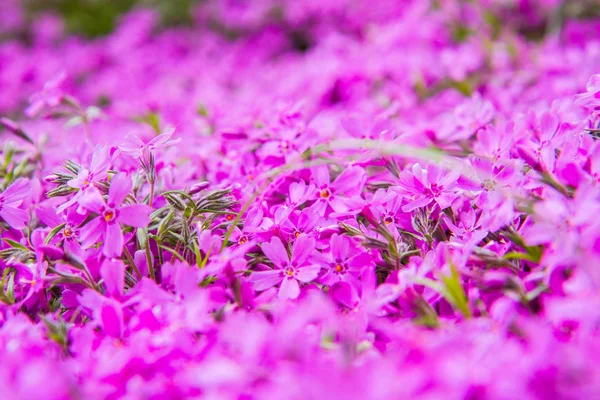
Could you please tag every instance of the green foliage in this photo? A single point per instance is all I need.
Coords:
(94, 18)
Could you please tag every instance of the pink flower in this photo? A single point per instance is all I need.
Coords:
(330, 195)
(11, 199)
(51, 96)
(135, 147)
(111, 214)
(344, 261)
(591, 98)
(289, 271)
(97, 171)
(427, 185)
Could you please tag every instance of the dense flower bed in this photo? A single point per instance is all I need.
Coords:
(303, 200)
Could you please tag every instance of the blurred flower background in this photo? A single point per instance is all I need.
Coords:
(299, 199)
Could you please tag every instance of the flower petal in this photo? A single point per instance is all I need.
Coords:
(275, 251)
(120, 186)
(19, 189)
(308, 273)
(92, 232)
(113, 275)
(137, 215)
(262, 280)
(113, 241)
(91, 199)
(15, 217)
(303, 248)
(289, 289)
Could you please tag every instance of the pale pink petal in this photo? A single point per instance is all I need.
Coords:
(308, 273)
(100, 161)
(303, 248)
(120, 186)
(137, 215)
(113, 276)
(339, 246)
(111, 317)
(92, 232)
(350, 181)
(91, 199)
(289, 289)
(419, 202)
(262, 280)
(15, 217)
(113, 241)
(275, 251)
(17, 191)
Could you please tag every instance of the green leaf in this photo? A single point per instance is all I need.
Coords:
(198, 255)
(163, 227)
(176, 254)
(456, 293)
(16, 245)
(53, 232)
(451, 289)
(514, 255)
(208, 280)
(10, 288)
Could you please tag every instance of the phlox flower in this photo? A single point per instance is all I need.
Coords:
(68, 236)
(111, 214)
(11, 199)
(288, 271)
(591, 98)
(330, 195)
(88, 177)
(344, 261)
(427, 185)
(137, 148)
(51, 96)
(96, 172)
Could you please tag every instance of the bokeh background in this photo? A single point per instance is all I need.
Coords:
(93, 18)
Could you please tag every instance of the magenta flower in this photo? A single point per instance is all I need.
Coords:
(88, 177)
(135, 147)
(51, 96)
(344, 262)
(97, 171)
(289, 271)
(68, 236)
(591, 98)
(330, 195)
(427, 185)
(111, 214)
(11, 199)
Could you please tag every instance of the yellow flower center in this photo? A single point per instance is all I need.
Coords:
(109, 216)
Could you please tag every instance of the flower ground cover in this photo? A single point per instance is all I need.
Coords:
(303, 200)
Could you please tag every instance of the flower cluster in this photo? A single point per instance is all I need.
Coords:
(303, 200)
